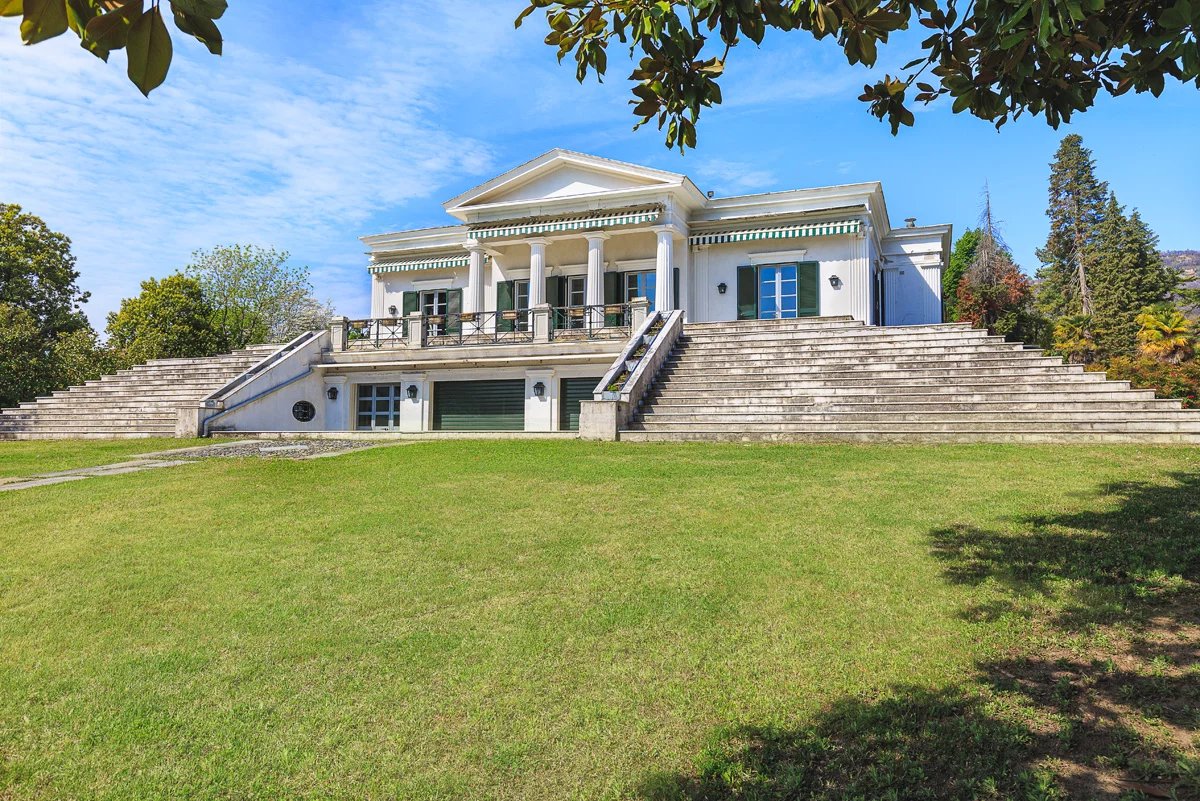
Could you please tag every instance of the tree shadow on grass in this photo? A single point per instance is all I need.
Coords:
(1100, 698)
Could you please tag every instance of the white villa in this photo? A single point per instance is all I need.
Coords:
(509, 317)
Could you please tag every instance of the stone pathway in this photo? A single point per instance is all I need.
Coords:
(263, 449)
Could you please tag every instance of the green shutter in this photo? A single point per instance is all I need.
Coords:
(556, 296)
(747, 293)
(808, 278)
(505, 292)
(675, 288)
(496, 405)
(453, 311)
(409, 302)
(612, 294)
(573, 392)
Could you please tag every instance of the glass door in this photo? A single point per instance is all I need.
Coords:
(576, 300)
(434, 305)
(640, 285)
(378, 406)
(521, 305)
(778, 294)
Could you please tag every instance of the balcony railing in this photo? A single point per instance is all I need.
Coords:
(514, 326)
(602, 321)
(387, 332)
(477, 328)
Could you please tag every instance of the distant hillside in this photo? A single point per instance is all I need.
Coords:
(1186, 262)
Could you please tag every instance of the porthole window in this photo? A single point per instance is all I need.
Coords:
(304, 411)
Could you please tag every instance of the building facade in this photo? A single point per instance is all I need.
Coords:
(508, 318)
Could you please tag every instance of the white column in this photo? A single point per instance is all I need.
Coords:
(473, 294)
(537, 271)
(595, 268)
(664, 261)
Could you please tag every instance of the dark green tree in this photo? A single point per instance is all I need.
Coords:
(37, 273)
(1128, 275)
(24, 357)
(960, 261)
(1077, 202)
(997, 59)
(170, 319)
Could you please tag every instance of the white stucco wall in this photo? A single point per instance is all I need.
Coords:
(913, 264)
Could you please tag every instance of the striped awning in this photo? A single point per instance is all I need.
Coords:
(577, 223)
(794, 231)
(404, 265)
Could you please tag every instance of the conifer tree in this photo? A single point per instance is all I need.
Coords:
(1127, 276)
(1077, 201)
(960, 261)
(994, 294)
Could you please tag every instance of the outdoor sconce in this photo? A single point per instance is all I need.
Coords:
(412, 391)
(834, 281)
(331, 393)
(392, 311)
(721, 287)
(539, 389)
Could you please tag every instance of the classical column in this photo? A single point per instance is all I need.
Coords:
(663, 272)
(595, 275)
(473, 294)
(537, 271)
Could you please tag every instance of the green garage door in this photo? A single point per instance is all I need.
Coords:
(573, 391)
(479, 405)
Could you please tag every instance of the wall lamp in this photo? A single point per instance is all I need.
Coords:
(412, 391)
(722, 288)
(834, 281)
(392, 311)
(331, 393)
(539, 389)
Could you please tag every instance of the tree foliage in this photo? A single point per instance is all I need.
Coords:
(960, 261)
(997, 59)
(169, 319)
(994, 293)
(256, 295)
(136, 26)
(1165, 334)
(1128, 275)
(1073, 338)
(37, 273)
(1076, 209)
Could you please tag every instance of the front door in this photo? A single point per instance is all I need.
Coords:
(777, 292)
(435, 305)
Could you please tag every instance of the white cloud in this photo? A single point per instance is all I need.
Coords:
(732, 177)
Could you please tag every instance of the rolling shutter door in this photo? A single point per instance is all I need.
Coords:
(497, 405)
(574, 391)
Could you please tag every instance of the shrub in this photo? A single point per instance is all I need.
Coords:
(1181, 381)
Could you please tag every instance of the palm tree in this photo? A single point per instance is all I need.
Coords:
(1073, 338)
(1166, 334)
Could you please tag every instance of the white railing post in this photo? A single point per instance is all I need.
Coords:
(638, 309)
(540, 319)
(337, 333)
(416, 332)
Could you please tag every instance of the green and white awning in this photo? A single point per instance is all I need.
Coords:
(561, 224)
(405, 265)
(794, 231)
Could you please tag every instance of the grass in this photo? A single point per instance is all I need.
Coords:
(536, 620)
(27, 458)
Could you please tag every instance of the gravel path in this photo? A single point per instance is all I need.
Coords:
(273, 449)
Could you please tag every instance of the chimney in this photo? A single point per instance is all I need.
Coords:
(710, 194)
(910, 222)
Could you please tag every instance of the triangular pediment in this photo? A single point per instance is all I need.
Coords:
(562, 174)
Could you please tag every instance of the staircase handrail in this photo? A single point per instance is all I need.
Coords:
(216, 400)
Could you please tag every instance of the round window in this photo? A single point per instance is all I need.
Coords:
(304, 411)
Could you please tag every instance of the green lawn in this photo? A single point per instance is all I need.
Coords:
(545, 620)
(27, 458)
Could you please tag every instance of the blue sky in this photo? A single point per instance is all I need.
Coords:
(356, 118)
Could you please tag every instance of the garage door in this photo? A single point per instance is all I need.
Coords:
(573, 391)
(479, 405)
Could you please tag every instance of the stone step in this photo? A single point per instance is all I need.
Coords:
(864, 335)
(1090, 392)
(981, 424)
(819, 415)
(808, 404)
(15, 436)
(841, 376)
(1057, 437)
(818, 364)
(806, 351)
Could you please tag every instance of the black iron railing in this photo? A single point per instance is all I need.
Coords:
(386, 332)
(601, 321)
(477, 328)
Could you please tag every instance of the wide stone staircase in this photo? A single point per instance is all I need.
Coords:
(140, 402)
(834, 379)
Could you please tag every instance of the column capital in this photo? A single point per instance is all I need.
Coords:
(474, 246)
(598, 235)
(673, 230)
(537, 240)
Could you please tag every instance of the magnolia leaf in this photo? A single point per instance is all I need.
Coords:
(202, 29)
(210, 9)
(149, 49)
(111, 31)
(11, 8)
(44, 19)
